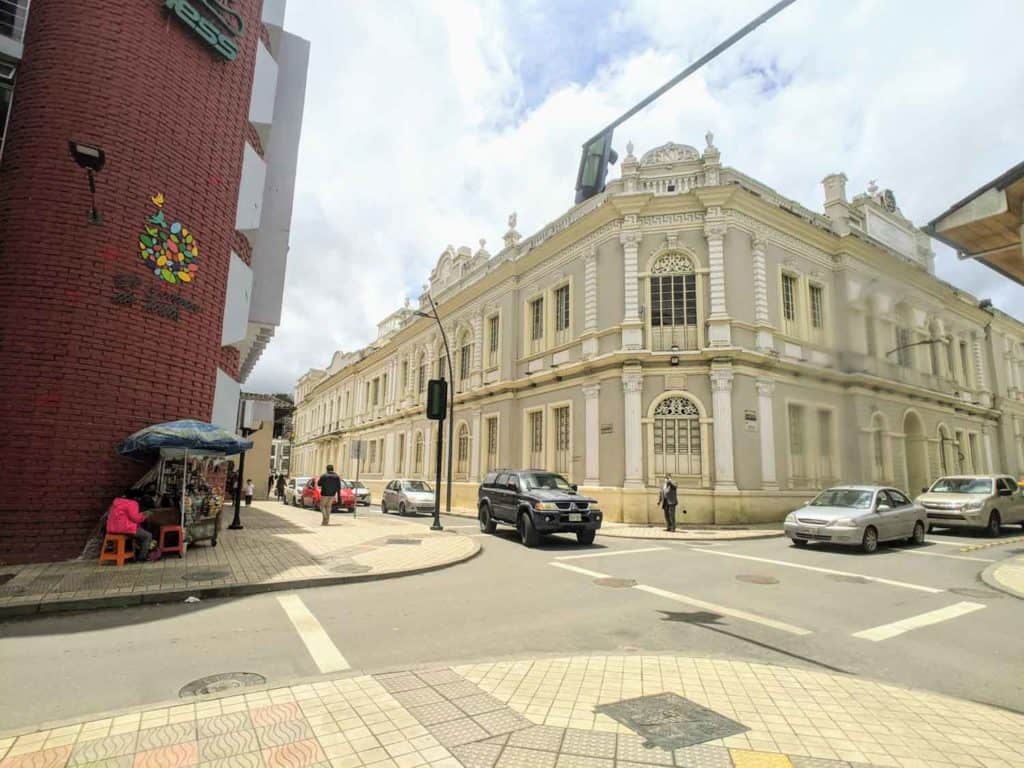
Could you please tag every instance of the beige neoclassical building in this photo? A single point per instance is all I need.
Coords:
(688, 320)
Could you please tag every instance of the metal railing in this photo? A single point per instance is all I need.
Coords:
(13, 18)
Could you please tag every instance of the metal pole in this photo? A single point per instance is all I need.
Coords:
(451, 404)
(436, 526)
(236, 523)
(694, 66)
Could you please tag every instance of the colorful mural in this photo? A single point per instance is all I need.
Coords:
(170, 250)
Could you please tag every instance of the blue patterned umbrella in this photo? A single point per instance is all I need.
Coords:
(184, 435)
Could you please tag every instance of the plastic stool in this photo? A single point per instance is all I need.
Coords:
(177, 535)
(121, 551)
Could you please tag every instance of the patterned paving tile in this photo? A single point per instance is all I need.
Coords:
(298, 754)
(478, 755)
(45, 758)
(403, 681)
(588, 743)
(477, 705)
(228, 745)
(703, 756)
(124, 761)
(166, 736)
(515, 757)
(221, 724)
(174, 756)
(745, 758)
(439, 676)
(417, 698)
(502, 721)
(285, 732)
(456, 732)
(631, 749)
(438, 712)
(817, 762)
(275, 713)
(102, 749)
(248, 760)
(457, 690)
(579, 761)
(546, 738)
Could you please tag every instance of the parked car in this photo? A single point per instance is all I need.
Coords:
(857, 515)
(536, 502)
(293, 490)
(974, 501)
(311, 496)
(407, 496)
(362, 492)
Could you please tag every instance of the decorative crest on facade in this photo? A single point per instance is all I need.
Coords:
(670, 153)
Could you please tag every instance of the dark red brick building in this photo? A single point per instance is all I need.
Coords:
(156, 308)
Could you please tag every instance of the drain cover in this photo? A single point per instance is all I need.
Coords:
(671, 722)
(205, 575)
(848, 579)
(226, 681)
(404, 541)
(971, 592)
(611, 581)
(756, 578)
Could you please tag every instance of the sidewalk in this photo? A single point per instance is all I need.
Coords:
(548, 713)
(279, 548)
(1006, 575)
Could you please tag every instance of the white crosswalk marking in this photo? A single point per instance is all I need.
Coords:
(612, 554)
(319, 644)
(886, 631)
(948, 557)
(584, 571)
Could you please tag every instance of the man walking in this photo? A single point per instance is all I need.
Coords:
(330, 485)
(667, 500)
(280, 487)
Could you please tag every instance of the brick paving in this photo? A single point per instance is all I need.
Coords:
(540, 712)
(280, 547)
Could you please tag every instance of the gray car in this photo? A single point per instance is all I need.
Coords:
(857, 515)
(407, 496)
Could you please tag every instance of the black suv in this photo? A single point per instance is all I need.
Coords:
(536, 502)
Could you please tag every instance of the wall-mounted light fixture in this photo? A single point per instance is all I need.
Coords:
(674, 360)
(92, 159)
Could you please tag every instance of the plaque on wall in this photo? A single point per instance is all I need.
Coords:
(750, 420)
(607, 429)
(675, 381)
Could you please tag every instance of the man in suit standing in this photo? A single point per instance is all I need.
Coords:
(667, 500)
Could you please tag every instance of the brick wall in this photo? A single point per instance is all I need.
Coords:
(81, 365)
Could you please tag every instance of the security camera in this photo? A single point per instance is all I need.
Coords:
(90, 158)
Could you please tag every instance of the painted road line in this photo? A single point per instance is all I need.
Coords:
(948, 557)
(613, 554)
(324, 652)
(584, 571)
(886, 631)
(877, 579)
(723, 610)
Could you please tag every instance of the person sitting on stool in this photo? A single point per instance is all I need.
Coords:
(667, 500)
(124, 518)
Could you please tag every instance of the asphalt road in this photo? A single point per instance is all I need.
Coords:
(914, 616)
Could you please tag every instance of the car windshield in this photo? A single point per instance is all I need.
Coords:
(843, 497)
(546, 481)
(962, 485)
(417, 486)
(357, 484)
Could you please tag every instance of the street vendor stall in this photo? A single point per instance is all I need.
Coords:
(185, 451)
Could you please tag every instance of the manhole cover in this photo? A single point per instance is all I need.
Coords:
(610, 581)
(351, 568)
(848, 579)
(971, 592)
(756, 578)
(5, 577)
(205, 575)
(404, 541)
(669, 721)
(226, 681)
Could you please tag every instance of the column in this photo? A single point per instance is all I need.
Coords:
(632, 386)
(980, 374)
(590, 304)
(721, 393)
(765, 338)
(719, 328)
(986, 442)
(765, 394)
(474, 447)
(632, 327)
(477, 376)
(592, 452)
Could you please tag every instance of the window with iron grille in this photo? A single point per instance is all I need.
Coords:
(676, 433)
(493, 329)
(562, 439)
(562, 308)
(537, 319)
(400, 457)
(462, 454)
(536, 438)
(903, 353)
(789, 298)
(417, 454)
(465, 359)
(421, 384)
(817, 307)
(492, 443)
(673, 303)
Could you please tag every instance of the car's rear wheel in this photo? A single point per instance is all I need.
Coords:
(487, 524)
(401, 508)
(870, 541)
(799, 542)
(586, 536)
(918, 535)
(527, 533)
(995, 523)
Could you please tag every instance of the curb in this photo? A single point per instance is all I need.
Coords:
(988, 576)
(227, 590)
(993, 543)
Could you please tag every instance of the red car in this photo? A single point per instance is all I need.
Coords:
(311, 497)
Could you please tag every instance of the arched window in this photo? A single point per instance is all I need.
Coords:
(462, 453)
(677, 438)
(417, 455)
(465, 357)
(673, 302)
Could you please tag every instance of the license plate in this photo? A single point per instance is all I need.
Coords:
(810, 531)
(575, 518)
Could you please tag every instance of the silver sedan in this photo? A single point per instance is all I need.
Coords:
(407, 497)
(857, 515)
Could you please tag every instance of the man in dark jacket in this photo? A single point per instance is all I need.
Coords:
(667, 500)
(330, 485)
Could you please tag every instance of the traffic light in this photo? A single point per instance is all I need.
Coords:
(437, 399)
(597, 154)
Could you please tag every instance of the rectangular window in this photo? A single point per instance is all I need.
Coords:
(493, 330)
(492, 444)
(797, 445)
(562, 314)
(817, 307)
(903, 353)
(442, 366)
(400, 456)
(421, 384)
(674, 312)
(465, 358)
(376, 391)
(536, 325)
(965, 364)
(934, 358)
(535, 436)
(384, 388)
(562, 435)
(405, 375)
(789, 297)
(950, 360)
(826, 448)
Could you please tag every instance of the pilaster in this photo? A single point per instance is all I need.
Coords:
(632, 386)
(721, 394)
(590, 303)
(765, 338)
(719, 322)
(632, 328)
(980, 374)
(592, 455)
(766, 423)
(474, 447)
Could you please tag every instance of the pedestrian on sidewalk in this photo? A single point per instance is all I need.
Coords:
(250, 489)
(667, 500)
(280, 487)
(330, 486)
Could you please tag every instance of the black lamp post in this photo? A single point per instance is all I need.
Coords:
(236, 522)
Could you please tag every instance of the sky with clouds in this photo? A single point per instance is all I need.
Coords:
(427, 123)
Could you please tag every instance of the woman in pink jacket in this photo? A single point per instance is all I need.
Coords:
(124, 517)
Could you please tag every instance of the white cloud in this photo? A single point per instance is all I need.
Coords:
(416, 134)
